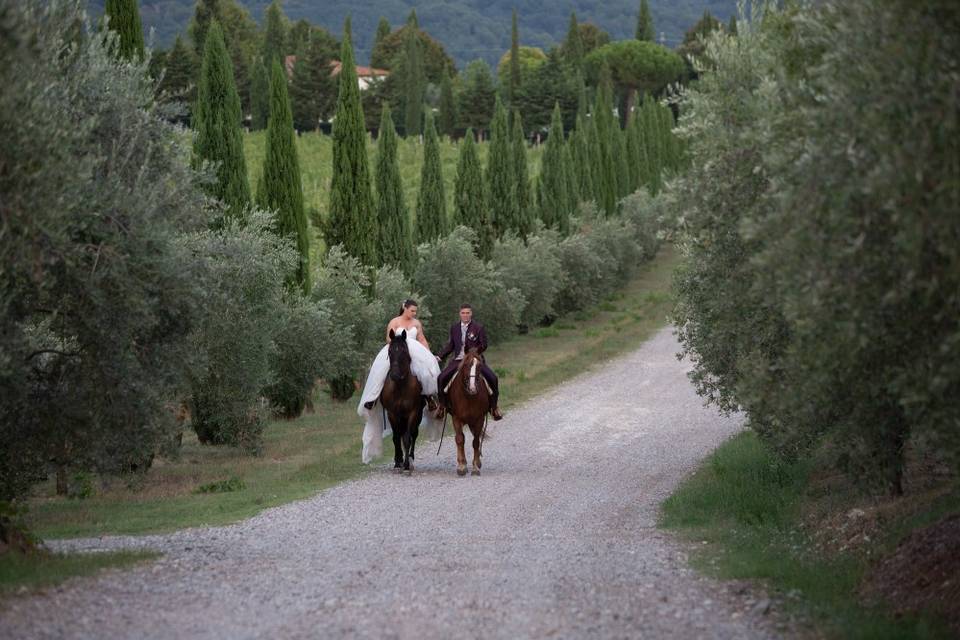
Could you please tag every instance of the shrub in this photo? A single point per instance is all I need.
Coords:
(453, 274)
(245, 271)
(533, 270)
(95, 189)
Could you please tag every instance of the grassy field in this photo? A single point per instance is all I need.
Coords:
(322, 448)
(26, 574)
(749, 508)
(315, 152)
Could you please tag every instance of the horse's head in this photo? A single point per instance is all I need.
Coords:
(399, 354)
(470, 371)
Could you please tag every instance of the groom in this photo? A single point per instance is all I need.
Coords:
(466, 335)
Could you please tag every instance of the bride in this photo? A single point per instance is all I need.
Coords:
(424, 366)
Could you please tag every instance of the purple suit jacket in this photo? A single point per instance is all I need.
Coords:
(476, 339)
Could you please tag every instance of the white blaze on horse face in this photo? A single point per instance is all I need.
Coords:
(473, 377)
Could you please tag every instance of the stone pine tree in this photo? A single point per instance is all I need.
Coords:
(501, 184)
(432, 200)
(469, 198)
(351, 214)
(124, 19)
(274, 35)
(645, 30)
(216, 118)
(553, 195)
(280, 189)
(414, 78)
(259, 96)
(524, 209)
(448, 106)
(394, 242)
(514, 62)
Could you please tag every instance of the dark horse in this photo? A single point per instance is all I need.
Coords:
(402, 400)
(469, 402)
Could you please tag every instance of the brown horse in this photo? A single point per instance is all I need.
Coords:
(402, 400)
(469, 402)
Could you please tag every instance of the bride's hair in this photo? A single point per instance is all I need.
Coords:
(409, 302)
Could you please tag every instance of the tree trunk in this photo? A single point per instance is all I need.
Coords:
(61, 480)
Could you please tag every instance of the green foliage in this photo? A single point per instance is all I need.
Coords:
(259, 96)
(477, 97)
(452, 274)
(389, 52)
(216, 118)
(524, 212)
(529, 60)
(603, 134)
(551, 83)
(351, 217)
(553, 185)
(177, 68)
(233, 483)
(580, 154)
(124, 20)
(470, 202)
(501, 183)
(448, 108)
(572, 46)
(244, 271)
(383, 30)
(274, 35)
(414, 80)
(829, 319)
(534, 270)
(95, 189)
(394, 241)
(280, 189)
(432, 201)
(312, 90)
(637, 65)
(645, 29)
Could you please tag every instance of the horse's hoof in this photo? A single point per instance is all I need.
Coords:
(461, 472)
(475, 472)
(408, 472)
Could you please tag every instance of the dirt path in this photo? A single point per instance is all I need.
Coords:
(557, 538)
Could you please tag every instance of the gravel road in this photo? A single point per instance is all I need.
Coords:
(556, 539)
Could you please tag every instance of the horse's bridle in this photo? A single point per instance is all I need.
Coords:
(470, 381)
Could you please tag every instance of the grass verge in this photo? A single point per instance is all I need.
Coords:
(27, 573)
(748, 507)
(218, 485)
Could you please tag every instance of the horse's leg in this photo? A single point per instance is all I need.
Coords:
(414, 429)
(397, 445)
(461, 456)
(407, 445)
(476, 430)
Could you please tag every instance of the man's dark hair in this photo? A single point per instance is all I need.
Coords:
(466, 305)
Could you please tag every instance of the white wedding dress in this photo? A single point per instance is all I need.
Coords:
(423, 365)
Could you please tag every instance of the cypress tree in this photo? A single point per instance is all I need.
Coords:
(514, 62)
(470, 205)
(216, 118)
(553, 191)
(124, 19)
(622, 163)
(572, 190)
(383, 30)
(732, 25)
(204, 14)
(179, 70)
(432, 200)
(394, 244)
(572, 44)
(448, 106)
(351, 217)
(414, 78)
(280, 189)
(259, 96)
(580, 153)
(312, 86)
(501, 184)
(274, 35)
(651, 136)
(604, 148)
(645, 30)
(524, 209)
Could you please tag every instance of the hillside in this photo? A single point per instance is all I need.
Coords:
(468, 28)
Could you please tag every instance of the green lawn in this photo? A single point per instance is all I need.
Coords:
(747, 507)
(29, 573)
(322, 448)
